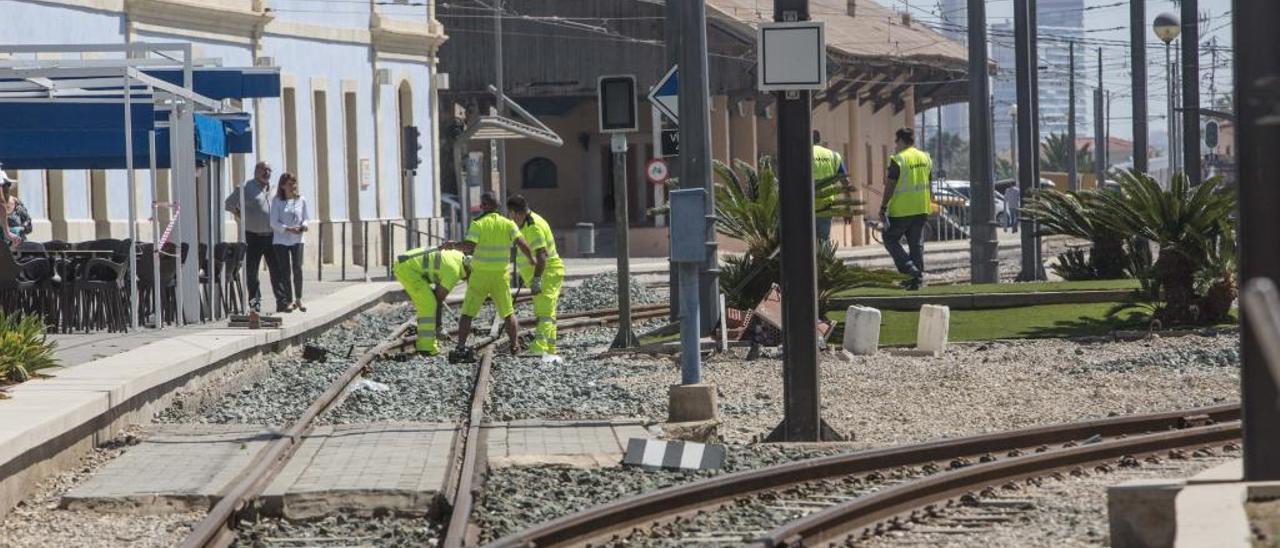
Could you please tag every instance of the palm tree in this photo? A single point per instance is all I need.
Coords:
(1072, 214)
(747, 210)
(1055, 151)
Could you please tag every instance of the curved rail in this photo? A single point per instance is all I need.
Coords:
(215, 528)
(860, 516)
(605, 521)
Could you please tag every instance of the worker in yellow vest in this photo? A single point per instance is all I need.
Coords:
(428, 275)
(488, 242)
(827, 163)
(907, 204)
(543, 276)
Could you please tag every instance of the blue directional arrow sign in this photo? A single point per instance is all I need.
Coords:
(666, 96)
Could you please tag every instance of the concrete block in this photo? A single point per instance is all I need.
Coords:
(1143, 513)
(692, 402)
(1212, 515)
(861, 330)
(932, 328)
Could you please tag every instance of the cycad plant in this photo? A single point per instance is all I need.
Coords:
(1073, 214)
(747, 210)
(1188, 225)
(23, 347)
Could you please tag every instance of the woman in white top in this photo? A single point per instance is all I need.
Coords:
(288, 221)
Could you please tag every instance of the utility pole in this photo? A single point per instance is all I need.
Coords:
(939, 157)
(1257, 65)
(1100, 143)
(1073, 170)
(1028, 137)
(1191, 90)
(1138, 70)
(671, 33)
(984, 265)
(500, 158)
(802, 397)
(695, 145)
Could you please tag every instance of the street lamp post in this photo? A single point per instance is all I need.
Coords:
(1167, 27)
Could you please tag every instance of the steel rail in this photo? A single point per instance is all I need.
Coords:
(215, 530)
(607, 520)
(861, 515)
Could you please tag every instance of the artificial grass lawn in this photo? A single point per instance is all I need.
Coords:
(1031, 287)
(1054, 320)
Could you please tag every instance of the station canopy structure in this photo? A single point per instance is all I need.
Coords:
(133, 106)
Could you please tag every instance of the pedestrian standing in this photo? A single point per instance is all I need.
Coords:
(908, 201)
(289, 221)
(1012, 201)
(827, 165)
(543, 277)
(488, 242)
(258, 235)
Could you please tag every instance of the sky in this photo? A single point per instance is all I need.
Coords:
(1108, 21)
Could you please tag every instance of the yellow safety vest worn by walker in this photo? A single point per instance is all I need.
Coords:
(537, 233)
(493, 235)
(826, 164)
(911, 194)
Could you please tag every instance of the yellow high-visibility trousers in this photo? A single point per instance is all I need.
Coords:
(484, 284)
(544, 308)
(422, 293)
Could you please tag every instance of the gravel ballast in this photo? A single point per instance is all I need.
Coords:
(418, 389)
(895, 398)
(340, 530)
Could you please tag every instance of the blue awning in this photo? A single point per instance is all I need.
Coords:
(227, 83)
(91, 136)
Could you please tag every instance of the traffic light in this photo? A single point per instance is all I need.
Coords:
(617, 104)
(410, 148)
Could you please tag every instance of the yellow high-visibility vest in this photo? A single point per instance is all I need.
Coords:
(537, 233)
(826, 164)
(911, 194)
(493, 235)
(441, 266)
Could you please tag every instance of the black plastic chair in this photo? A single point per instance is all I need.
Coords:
(19, 288)
(101, 287)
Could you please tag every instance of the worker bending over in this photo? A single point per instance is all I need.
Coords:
(543, 276)
(488, 242)
(428, 275)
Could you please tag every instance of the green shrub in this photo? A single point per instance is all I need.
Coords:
(23, 347)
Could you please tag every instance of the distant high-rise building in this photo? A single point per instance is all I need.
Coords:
(955, 19)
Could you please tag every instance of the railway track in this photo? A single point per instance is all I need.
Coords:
(465, 473)
(1001, 458)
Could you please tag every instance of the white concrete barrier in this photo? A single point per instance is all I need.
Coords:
(932, 328)
(861, 330)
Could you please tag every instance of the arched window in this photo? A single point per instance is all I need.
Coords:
(539, 173)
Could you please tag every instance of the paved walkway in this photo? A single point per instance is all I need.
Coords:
(588, 444)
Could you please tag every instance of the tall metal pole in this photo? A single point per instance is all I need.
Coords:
(1257, 51)
(672, 36)
(500, 158)
(133, 201)
(1033, 228)
(1027, 141)
(1073, 170)
(1100, 142)
(626, 338)
(939, 158)
(1191, 90)
(802, 397)
(1138, 69)
(984, 265)
(695, 145)
(1172, 147)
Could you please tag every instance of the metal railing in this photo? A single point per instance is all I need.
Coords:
(352, 242)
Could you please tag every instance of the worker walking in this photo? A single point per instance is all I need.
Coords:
(428, 275)
(907, 205)
(827, 164)
(543, 276)
(488, 242)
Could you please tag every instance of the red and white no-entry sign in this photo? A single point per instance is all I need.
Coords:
(657, 172)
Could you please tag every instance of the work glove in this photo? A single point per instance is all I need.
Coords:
(536, 287)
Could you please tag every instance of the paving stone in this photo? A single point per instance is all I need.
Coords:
(589, 444)
(175, 468)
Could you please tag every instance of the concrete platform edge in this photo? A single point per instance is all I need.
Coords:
(49, 424)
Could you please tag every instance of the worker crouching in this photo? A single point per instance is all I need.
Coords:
(428, 275)
(543, 276)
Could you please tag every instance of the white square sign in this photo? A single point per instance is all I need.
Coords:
(792, 56)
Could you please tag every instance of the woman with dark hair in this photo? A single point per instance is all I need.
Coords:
(17, 222)
(288, 221)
